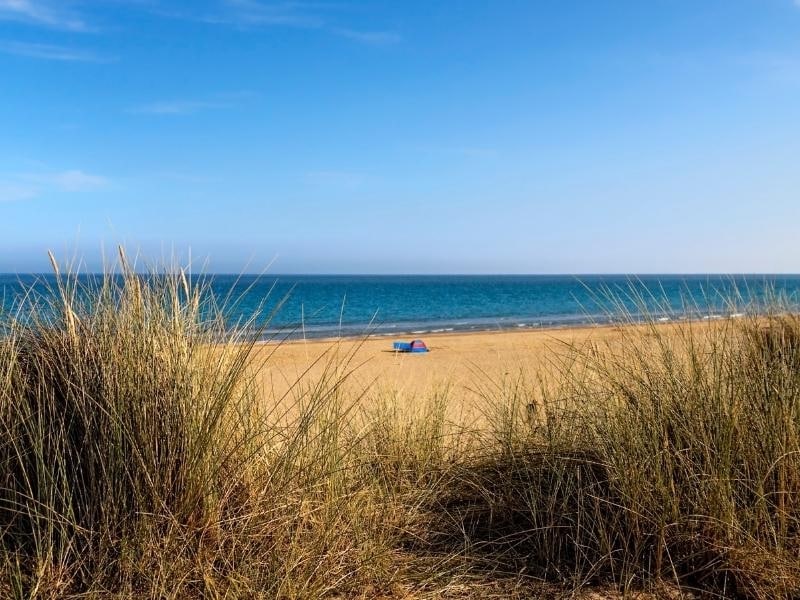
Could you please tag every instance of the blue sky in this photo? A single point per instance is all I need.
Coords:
(492, 136)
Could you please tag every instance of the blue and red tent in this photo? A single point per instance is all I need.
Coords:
(415, 346)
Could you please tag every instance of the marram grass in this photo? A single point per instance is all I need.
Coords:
(670, 454)
(140, 459)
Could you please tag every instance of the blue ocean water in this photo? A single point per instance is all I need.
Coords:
(345, 305)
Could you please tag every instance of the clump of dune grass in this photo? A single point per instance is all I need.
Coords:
(139, 459)
(666, 453)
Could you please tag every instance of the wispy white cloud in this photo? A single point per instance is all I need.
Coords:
(73, 181)
(250, 14)
(246, 14)
(254, 13)
(44, 13)
(178, 107)
(26, 186)
(50, 52)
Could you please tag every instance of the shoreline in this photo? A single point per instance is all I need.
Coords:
(409, 335)
(280, 338)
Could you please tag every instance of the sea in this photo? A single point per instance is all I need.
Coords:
(321, 306)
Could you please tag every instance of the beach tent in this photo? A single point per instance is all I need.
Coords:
(415, 346)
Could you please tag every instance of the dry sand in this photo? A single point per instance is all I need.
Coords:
(465, 363)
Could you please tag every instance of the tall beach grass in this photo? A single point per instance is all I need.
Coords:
(668, 455)
(140, 458)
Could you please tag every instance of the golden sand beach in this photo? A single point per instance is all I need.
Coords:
(465, 367)
(467, 364)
